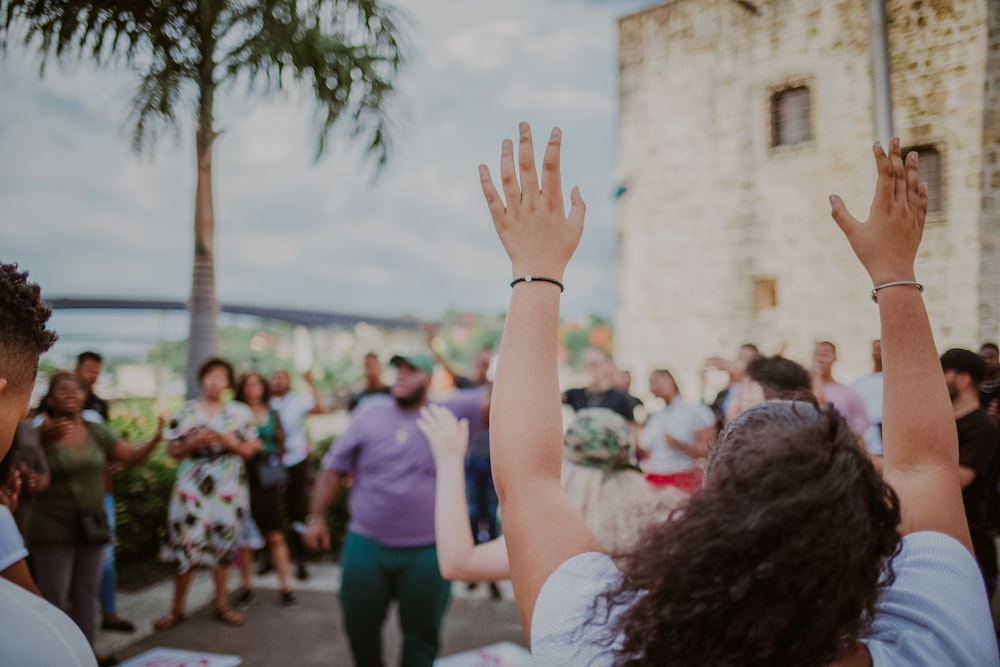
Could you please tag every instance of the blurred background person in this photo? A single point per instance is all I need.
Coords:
(212, 437)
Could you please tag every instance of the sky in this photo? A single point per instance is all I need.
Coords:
(89, 217)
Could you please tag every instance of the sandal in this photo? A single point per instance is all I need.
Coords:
(170, 620)
(230, 617)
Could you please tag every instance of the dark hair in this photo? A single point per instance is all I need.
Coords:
(89, 356)
(964, 361)
(241, 394)
(989, 346)
(54, 380)
(23, 336)
(781, 378)
(828, 344)
(217, 362)
(750, 346)
(778, 560)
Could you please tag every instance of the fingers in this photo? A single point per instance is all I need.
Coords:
(885, 185)
(898, 172)
(842, 216)
(526, 162)
(577, 209)
(920, 212)
(912, 182)
(551, 176)
(508, 175)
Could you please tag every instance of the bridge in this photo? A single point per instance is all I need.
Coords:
(306, 318)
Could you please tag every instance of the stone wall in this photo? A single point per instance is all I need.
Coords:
(710, 205)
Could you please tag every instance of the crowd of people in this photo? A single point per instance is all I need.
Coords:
(792, 520)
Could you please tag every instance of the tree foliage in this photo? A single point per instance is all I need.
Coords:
(346, 51)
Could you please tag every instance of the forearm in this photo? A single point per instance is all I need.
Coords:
(525, 415)
(918, 424)
(452, 530)
(327, 487)
(131, 455)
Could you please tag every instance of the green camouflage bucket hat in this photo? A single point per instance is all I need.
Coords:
(599, 438)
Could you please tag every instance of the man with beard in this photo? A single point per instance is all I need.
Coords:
(389, 552)
(978, 444)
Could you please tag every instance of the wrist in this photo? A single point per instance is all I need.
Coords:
(315, 518)
(537, 269)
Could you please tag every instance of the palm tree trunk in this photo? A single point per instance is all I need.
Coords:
(203, 339)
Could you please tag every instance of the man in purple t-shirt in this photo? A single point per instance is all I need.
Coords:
(847, 401)
(389, 552)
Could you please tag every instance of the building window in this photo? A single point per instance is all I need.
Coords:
(790, 116)
(929, 164)
(765, 295)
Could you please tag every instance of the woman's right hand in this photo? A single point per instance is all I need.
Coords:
(447, 435)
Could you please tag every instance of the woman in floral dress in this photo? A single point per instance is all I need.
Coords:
(212, 437)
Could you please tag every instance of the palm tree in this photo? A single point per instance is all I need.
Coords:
(346, 51)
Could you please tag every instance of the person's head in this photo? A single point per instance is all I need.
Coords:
(66, 394)
(877, 355)
(599, 366)
(623, 379)
(781, 378)
(413, 379)
(662, 385)
(253, 389)
(23, 338)
(88, 369)
(281, 382)
(792, 517)
(484, 357)
(372, 369)
(737, 368)
(964, 371)
(988, 353)
(215, 376)
(824, 356)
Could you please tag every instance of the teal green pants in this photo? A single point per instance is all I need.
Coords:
(373, 576)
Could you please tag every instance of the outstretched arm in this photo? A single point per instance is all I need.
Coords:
(542, 527)
(459, 558)
(918, 428)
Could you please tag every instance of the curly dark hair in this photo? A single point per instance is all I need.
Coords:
(23, 336)
(778, 560)
(241, 387)
(217, 362)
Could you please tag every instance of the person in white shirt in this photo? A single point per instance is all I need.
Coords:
(796, 551)
(32, 631)
(293, 408)
(869, 387)
(675, 439)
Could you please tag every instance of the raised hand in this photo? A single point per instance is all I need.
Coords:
(449, 437)
(535, 231)
(887, 242)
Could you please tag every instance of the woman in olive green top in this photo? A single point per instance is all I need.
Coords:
(67, 567)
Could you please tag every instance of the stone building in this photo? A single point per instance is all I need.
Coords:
(739, 118)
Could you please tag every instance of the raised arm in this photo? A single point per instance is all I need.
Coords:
(459, 557)
(128, 454)
(918, 428)
(542, 527)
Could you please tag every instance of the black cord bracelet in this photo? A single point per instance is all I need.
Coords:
(528, 279)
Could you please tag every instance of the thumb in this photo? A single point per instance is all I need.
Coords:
(842, 216)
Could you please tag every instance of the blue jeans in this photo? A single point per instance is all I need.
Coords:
(482, 497)
(109, 581)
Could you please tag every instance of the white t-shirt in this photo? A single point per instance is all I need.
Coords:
(870, 388)
(680, 420)
(34, 632)
(11, 543)
(293, 408)
(934, 614)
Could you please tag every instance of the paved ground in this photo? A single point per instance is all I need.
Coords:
(307, 635)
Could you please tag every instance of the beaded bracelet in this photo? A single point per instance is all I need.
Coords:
(528, 279)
